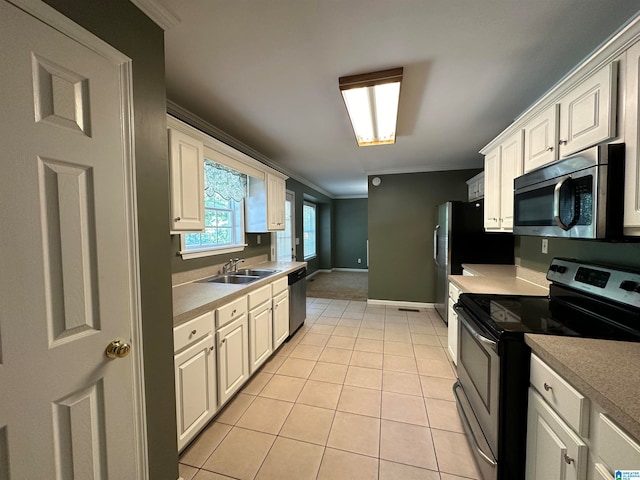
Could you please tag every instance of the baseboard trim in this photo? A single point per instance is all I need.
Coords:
(317, 271)
(396, 303)
(358, 270)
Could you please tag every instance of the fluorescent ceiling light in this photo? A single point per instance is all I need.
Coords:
(372, 103)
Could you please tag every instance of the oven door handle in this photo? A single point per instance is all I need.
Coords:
(481, 338)
(467, 427)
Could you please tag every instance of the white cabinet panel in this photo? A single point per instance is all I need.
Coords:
(280, 318)
(260, 335)
(233, 357)
(186, 155)
(541, 139)
(492, 189)
(275, 202)
(195, 379)
(511, 168)
(632, 141)
(588, 111)
(554, 451)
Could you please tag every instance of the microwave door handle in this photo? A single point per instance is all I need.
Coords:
(556, 203)
(435, 244)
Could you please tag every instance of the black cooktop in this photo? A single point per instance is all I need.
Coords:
(565, 312)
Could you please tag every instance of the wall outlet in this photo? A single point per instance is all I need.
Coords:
(297, 241)
(259, 239)
(545, 245)
(359, 260)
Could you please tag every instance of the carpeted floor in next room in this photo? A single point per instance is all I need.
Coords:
(339, 285)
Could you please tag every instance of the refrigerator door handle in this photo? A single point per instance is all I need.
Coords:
(435, 244)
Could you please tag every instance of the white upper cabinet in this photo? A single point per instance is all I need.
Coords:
(501, 166)
(492, 189)
(511, 168)
(275, 202)
(186, 156)
(588, 111)
(632, 140)
(541, 139)
(265, 204)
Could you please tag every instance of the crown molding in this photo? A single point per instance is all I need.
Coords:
(201, 124)
(160, 14)
(424, 169)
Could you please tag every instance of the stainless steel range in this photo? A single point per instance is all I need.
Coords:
(584, 300)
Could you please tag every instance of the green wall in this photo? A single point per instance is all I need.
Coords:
(324, 226)
(531, 256)
(401, 217)
(351, 233)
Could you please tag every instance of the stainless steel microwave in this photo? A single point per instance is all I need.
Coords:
(578, 197)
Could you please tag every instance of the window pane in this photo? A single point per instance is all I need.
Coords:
(309, 229)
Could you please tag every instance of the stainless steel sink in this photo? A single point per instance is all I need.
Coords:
(258, 272)
(233, 278)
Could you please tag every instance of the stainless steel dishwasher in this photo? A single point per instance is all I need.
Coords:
(297, 299)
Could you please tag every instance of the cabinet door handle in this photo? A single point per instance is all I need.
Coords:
(550, 149)
(547, 387)
(177, 219)
(234, 311)
(193, 332)
(562, 142)
(568, 459)
(223, 340)
(211, 348)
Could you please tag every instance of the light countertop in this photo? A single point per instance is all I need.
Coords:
(501, 279)
(605, 371)
(193, 298)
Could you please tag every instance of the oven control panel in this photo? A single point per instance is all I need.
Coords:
(601, 280)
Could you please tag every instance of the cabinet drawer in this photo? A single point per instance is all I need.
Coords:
(230, 311)
(454, 292)
(192, 331)
(259, 296)
(615, 448)
(280, 285)
(566, 400)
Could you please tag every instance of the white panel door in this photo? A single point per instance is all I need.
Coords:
(69, 267)
(275, 202)
(632, 141)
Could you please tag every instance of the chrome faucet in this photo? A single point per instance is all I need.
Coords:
(232, 265)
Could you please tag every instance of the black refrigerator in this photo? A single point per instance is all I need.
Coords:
(458, 238)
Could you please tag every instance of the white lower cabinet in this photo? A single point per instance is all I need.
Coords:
(569, 436)
(195, 376)
(452, 323)
(280, 292)
(553, 449)
(233, 357)
(260, 327)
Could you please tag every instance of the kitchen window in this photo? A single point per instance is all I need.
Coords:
(224, 192)
(309, 229)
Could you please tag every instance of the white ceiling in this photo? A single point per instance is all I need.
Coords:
(266, 72)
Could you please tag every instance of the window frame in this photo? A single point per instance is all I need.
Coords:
(315, 230)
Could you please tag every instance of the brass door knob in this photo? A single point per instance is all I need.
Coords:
(117, 349)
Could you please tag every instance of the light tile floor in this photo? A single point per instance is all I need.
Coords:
(360, 392)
